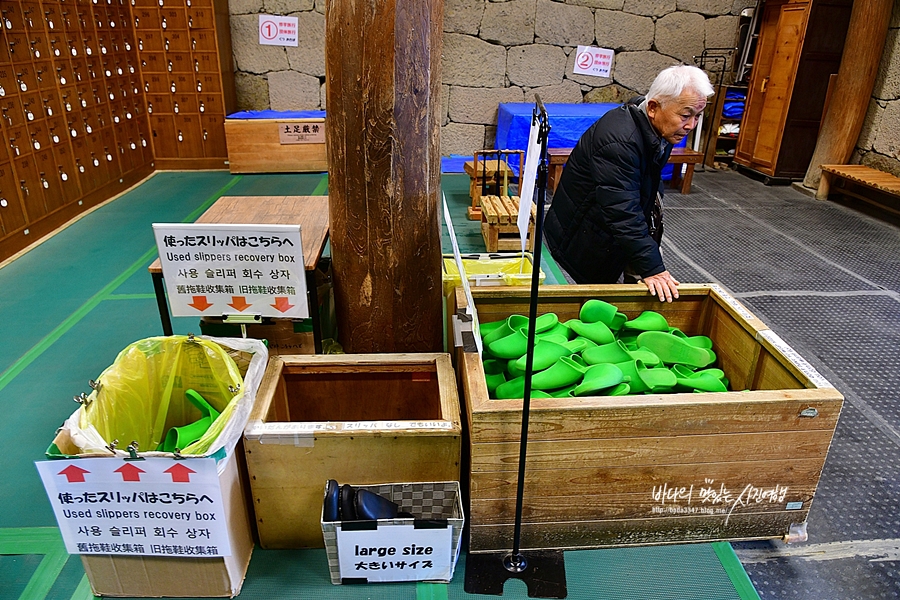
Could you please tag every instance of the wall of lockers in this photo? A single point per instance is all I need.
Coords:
(96, 94)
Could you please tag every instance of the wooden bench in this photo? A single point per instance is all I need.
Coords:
(679, 156)
(499, 215)
(489, 172)
(886, 186)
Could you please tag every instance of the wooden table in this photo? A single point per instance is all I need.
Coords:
(679, 156)
(310, 212)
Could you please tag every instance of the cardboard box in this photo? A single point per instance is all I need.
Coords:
(155, 524)
(151, 576)
(362, 418)
(650, 469)
(254, 146)
(435, 508)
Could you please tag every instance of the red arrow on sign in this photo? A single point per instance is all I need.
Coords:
(200, 303)
(130, 472)
(282, 304)
(74, 474)
(239, 303)
(180, 473)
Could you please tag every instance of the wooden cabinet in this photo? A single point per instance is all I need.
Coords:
(95, 95)
(799, 47)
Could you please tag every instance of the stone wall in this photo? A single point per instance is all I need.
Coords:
(496, 51)
(879, 142)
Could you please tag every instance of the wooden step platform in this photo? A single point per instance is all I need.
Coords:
(498, 224)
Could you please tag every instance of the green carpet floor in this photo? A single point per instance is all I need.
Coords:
(69, 305)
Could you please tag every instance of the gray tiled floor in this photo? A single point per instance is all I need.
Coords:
(826, 278)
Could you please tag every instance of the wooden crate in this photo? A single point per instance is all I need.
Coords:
(650, 469)
(357, 418)
(254, 146)
(498, 224)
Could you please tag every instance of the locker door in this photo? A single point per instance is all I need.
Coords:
(39, 46)
(18, 141)
(201, 17)
(12, 217)
(11, 111)
(30, 187)
(163, 131)
(111, 153)
(185, 103)
(52, 106)
(51, 185)
(86, 172)
(213, 136)
(188, 136)
(203, 41)
(65, 171)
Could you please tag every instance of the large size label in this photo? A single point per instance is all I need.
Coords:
(151, 507)
(395, 553)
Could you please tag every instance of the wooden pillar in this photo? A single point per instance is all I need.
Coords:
(383, 65)
(852, 91)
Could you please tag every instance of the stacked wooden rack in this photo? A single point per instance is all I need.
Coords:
(94, 96)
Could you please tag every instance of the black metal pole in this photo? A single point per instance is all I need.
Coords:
(517, 561)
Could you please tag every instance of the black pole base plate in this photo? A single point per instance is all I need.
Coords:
(544, 574)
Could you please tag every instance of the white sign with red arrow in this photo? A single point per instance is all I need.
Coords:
(220, 270)
(150, 507)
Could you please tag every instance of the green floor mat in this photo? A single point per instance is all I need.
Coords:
(280, 184)
(692, 572)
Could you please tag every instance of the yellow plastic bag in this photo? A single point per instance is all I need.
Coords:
(142, 394)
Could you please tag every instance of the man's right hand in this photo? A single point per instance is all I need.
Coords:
(663, 286)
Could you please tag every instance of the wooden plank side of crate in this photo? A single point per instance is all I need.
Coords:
(254, 146)
(596, 417)
(606, 533)
(622, 506)
(577, 482)
(288, 481)
(648, 451)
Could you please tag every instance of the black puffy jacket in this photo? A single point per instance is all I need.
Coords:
(598, 221)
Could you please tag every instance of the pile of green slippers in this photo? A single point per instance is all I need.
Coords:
(601, 353)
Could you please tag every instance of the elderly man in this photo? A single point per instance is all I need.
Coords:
(606, 218)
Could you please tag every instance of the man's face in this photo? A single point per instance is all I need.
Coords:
(676, 118)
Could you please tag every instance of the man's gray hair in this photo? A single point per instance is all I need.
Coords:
(671, 82)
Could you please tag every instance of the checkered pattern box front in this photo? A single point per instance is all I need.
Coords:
(432, 502)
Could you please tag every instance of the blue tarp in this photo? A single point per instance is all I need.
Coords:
(454, 163)
(278, 114)
(567, 123)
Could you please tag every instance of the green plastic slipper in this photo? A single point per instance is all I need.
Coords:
(547, 351)
(599, 377)
(614, 352)
(623, 389)
(566, 371)
(618, 321)
(485, 328)
(597, 311)
(512, 389)
(630, 370)
(700, 341)
(671, 349)
(494, 374)
(181, 437)
(648, 321)
(598, 332)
